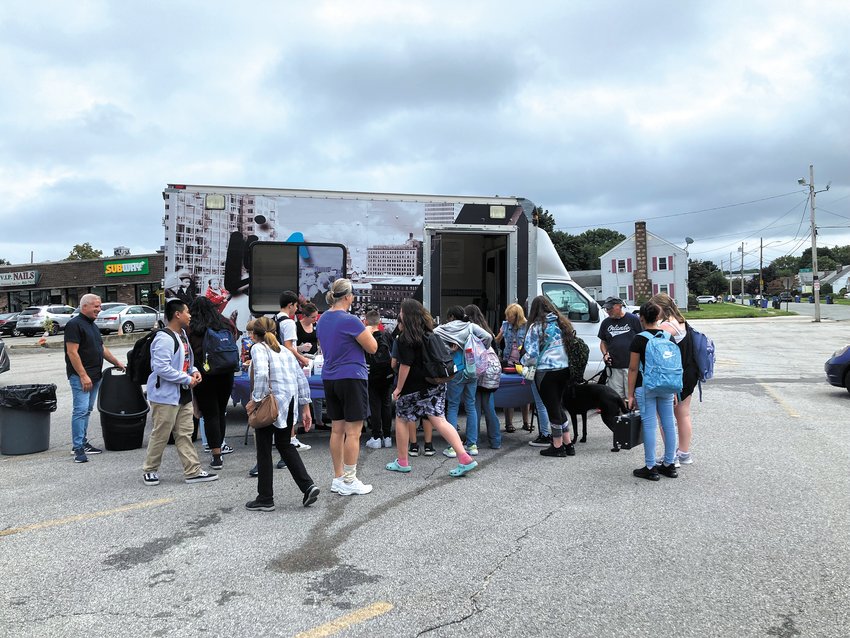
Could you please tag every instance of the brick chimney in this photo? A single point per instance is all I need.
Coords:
(643, 284)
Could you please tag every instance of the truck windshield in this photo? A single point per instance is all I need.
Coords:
(568, 300)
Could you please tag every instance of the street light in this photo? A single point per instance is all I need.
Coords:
(815, 279)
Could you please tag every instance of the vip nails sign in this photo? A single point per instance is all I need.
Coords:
(126, 267)
(20, 278)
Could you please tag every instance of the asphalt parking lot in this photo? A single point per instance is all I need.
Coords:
(751, 540)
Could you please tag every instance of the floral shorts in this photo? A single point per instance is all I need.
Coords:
(416, 405)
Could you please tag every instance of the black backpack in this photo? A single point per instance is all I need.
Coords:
(379, 363)
(578, 353)
(437, 362)
(139, 358)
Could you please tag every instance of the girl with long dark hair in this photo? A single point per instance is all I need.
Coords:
(415, 397)
(213, 392)
(485, 398)
(545, 350)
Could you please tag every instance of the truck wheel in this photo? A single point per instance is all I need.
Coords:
(128, 327)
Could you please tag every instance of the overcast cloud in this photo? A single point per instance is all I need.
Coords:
(601, 112)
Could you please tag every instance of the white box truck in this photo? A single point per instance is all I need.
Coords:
(242, 246)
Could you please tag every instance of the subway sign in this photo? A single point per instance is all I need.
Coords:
(126, 267)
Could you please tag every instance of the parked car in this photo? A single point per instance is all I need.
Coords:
(706, 299)
(129, 318)
(103, 306)
(786, 296)
(9, 324)
(837, 368)
(31, 320)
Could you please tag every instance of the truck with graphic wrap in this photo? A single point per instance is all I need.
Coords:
(242, 246)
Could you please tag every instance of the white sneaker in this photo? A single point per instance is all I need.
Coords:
(388, 441)
(226, 449)
(450, 452)
(355, 487)
(335, 484)
(374, 443)
(301, 447)
(683, 458)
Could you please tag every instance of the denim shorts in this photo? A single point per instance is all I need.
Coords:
(422, 403)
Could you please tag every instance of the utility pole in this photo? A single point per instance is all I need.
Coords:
(730, 274)
(742, 273)
(815, 278)
(761, 266)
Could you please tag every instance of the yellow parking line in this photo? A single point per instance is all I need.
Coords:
(791, 411)
(344, 622)
(83, 517)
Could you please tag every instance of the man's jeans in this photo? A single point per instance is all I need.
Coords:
(84, 403)
(459, 391)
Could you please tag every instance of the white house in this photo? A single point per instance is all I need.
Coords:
(643, 265)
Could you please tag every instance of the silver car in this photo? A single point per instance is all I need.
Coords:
(129, 318)
(31, 321)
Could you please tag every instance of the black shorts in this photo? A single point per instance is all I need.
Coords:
(346, 399)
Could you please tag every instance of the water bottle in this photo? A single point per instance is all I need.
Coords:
(469, 358)
(318, 364)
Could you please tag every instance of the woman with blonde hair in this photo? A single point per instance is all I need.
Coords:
(276, 370)
(345, 341)
(673, 322)
(512, 333)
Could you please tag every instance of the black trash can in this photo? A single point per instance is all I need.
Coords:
(777, 305)
(25, 418)
(123, 411)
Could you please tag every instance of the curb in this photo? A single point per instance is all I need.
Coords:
(59, 344)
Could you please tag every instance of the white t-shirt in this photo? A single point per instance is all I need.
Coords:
(286, 329)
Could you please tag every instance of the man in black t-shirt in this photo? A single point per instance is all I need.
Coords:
(615, 338)
(84, 355)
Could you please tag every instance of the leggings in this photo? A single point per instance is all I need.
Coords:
(551, 385)
(212, 395)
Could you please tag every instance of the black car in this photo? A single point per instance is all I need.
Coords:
(8, 323)
(786, 296)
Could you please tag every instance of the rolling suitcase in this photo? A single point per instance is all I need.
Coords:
(628, 432)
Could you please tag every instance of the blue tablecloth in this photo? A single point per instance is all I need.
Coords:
(513, 391)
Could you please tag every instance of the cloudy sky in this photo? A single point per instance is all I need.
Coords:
(602, 112)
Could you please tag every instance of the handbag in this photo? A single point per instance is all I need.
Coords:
(262, 413)
(628, 432)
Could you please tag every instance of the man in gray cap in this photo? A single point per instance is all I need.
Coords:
(615, 338)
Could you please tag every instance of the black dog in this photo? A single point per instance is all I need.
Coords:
(580, 398)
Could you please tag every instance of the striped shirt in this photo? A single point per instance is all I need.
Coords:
(288, 380)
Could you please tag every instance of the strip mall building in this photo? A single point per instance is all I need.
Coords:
(132, 279)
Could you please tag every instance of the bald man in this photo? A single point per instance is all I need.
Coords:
(84, 355)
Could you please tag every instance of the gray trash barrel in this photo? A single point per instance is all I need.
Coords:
(25, 418)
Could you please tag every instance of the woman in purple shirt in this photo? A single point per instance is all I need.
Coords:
(344, 341)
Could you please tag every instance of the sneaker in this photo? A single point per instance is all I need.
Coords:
(254, 471)
(647, 473)
(335, 484)
(558, 452)
(660, 461)
(88, 448)
(216, 462)
(355, 487)
(413, 449)
(80, 456)
(301, 447)
(388, 441)
(259, 506)
(571, 449)
(429, 449)
(281, 464)
(202, 477)
(667, 470)
(206, 448)
(543, 440)
(472, 450)
(683, 458)
(310, 496)
(151, 478)
(225, 449)
(374, 443)
(450, 452)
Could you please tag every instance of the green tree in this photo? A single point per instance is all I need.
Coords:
(3, 262)
(787, 263)
(826, 260)
(544, 219)
(84, 251)
(569, 249)
(716, 283)
(698, 272)
(595, 243)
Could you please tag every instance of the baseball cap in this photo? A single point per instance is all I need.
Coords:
(611, 302)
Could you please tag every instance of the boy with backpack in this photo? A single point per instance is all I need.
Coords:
(655, 377)
(380, 382)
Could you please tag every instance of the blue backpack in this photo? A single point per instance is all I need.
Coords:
(703, 354)
(662, 370)
(221, 354)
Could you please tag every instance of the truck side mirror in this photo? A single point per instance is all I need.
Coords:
(594, 312)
